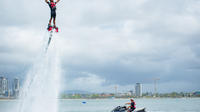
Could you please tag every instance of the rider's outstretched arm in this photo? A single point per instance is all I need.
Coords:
(57, 1)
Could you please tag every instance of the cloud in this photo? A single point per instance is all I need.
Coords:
(87, 82)
(112, 42)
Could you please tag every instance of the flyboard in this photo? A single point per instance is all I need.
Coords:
(51, 30)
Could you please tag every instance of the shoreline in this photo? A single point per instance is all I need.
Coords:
(14, 99)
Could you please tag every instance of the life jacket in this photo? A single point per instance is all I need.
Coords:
(52, 4)
(133, 105)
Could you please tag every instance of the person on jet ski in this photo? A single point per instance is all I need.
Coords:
(132, 106)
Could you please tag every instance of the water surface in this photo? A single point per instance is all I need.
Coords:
(106, 105)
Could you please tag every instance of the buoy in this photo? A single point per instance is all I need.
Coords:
(84, 102)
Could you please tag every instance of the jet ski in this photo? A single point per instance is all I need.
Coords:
(124, 109)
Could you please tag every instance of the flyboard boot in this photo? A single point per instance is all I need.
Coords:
(49, 28)
(56, 28)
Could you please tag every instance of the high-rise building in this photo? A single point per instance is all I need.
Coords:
(138, 90)
(16, 87)
(3, 85)
(1, 79)
(131, 92)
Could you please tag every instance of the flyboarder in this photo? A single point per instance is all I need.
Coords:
(52, 6)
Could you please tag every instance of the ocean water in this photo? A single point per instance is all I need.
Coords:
(106, 105)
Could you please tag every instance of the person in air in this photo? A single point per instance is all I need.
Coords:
(52, 6)
(132, 106)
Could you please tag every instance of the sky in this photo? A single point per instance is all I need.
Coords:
(108, 43)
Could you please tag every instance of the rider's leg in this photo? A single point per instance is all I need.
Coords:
(54, 21)
(50, 21)
(129, 110)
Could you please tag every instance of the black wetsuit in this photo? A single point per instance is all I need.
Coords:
(52, 6)
(132, 106)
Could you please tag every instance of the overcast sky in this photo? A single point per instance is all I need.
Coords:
(104, 43)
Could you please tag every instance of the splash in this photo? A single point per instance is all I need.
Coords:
(41, 88)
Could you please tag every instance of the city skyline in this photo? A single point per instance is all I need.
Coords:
(9, 88)
(15, 88)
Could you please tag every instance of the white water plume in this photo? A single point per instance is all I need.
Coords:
(41, 88)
